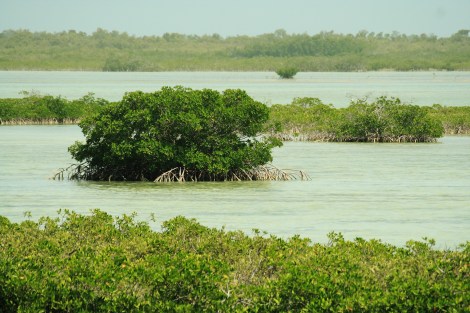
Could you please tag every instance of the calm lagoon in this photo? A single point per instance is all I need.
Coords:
(392, 192)
(422, 88)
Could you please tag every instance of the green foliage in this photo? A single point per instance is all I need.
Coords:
(287, 72)
(387, 120)
(326, 51)
(384, 120)
(100, 263)
(204, 134)
(37, 109)
(305, 119)
(455, 120)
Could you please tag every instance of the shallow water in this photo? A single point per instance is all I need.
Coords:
(393, 192)
(422, 88)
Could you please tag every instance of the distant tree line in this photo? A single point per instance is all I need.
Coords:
(280, 44)
(327, 51)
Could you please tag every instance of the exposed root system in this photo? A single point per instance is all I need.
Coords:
(72, 172)
(180, 174)
(264, 173)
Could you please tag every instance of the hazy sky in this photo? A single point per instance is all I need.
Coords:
(237, 17)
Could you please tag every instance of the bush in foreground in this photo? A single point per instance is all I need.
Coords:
(100, 263)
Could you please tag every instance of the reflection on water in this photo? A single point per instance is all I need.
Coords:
(393, 192)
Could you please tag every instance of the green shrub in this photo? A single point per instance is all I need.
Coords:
(287, 72)
(387, 120)
(455, 120)
(175, 134)
(38, 109)
(100, 263)
(383, 120)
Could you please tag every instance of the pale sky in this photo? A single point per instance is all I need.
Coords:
(237, 17)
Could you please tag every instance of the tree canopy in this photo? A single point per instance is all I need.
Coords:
(175, 133)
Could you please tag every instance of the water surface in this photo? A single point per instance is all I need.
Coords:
(393, 192)
(422, 88)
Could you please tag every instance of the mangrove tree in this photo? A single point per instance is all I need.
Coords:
(177, 134)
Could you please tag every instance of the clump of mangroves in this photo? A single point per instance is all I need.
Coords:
(177, 134)
(382, 120)
(37, 109)
(102, 263)
(304, 119)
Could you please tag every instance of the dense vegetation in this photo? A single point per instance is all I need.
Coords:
(39, 109)
(176, 134)
(383, 120)
(455, 120)
(326, 51)
(303, 119)
(97, 263)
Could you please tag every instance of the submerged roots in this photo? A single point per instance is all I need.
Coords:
(73, 172)
(181, 174)
(265, 172)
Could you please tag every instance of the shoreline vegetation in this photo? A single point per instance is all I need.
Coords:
(102, 263)
(305, 119)
(105, 50)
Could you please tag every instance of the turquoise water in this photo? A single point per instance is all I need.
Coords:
(392, 192)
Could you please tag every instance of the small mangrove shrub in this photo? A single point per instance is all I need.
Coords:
(455, 120)
(287, 72)
(383, 120)
(176, 134)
